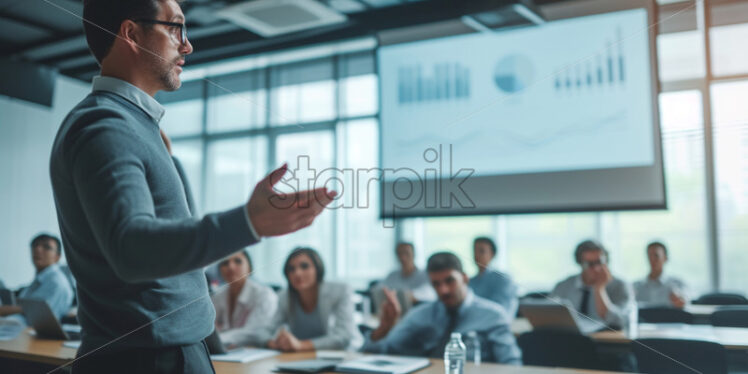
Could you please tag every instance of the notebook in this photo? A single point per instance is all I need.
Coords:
(383, 365)
(307, 366)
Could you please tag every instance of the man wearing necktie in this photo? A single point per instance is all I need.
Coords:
(595, 293)
(425, 330)
(50, 283)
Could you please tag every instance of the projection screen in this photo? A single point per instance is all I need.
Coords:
(557, 117)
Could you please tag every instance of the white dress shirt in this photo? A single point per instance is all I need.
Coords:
(656, 292)
(255, 307)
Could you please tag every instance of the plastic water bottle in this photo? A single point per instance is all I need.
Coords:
(454, 355)
(472, 348)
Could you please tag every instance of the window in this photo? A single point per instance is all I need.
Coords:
(540, 247)
(184, 110)
(302, 92)
(682, 227)
(366, 243)
(317, 148)
(727, 37)
(237, 101)
(234, 168)
(680, 55)
(731, 168)
(359, 95)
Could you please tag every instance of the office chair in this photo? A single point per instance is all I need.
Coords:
(664, 315)
(736, 316)
(676, 356)
(559, 348)
(718, 298)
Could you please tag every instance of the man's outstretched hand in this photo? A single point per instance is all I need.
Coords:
(275, 213)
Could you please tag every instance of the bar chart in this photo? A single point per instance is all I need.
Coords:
(442, 82)
(606, 68)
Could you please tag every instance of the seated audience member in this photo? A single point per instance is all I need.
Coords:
(490, 283)
(312, 314)
(243, 307)
(426, 329)
(409, 278)
(49, 284)
(658, 289)
(595, 292)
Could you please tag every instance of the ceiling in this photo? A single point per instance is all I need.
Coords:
(50, 32)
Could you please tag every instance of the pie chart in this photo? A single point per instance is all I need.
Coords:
(513, 73)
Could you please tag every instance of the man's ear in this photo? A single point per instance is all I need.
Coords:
(130, 33)
(465, 278)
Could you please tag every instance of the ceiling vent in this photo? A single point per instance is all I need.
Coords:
(276, 17)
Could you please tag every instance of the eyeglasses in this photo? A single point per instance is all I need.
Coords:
(589, 264)
(182, 27)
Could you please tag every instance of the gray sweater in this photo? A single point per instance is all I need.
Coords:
(126, 226)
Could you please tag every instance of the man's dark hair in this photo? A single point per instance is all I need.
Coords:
(588, 246)
(658, 244)
(487, 240)
(409, 244)
(316, 262)
(44, 237)
(443, 261)
(102, 19)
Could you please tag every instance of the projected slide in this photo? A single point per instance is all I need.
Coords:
(568, 95)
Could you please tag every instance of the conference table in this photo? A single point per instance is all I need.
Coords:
(733, 338)
(52, 352)
(28, 348)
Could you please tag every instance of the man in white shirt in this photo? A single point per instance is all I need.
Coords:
(594, 292)
(409, 279)
(658, 289)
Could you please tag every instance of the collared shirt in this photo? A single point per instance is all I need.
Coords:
(417, 282)
(52, 286)
(620, 293)
(497, 287)
(255, 307)
(656, 292)
(418, 333)
(148, 104)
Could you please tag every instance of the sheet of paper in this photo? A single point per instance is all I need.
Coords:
(72, 344)
(10, 328)
(244, 355)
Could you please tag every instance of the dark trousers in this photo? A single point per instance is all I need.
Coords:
(187, 359)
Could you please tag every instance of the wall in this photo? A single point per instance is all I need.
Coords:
(26, 204)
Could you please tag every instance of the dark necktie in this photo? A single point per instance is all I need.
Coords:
(438, 350)
(584, 306)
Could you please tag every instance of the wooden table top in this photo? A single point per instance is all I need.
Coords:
(26, 347)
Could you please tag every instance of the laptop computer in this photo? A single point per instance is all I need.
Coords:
(7, 297)
(549, 315)
(40, 316)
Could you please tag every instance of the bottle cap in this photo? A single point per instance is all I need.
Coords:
(456, 335)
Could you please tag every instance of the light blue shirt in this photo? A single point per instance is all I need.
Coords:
(423, 327)
(497, 287)
(52, 286)
(620, 293)
(656, 292)
(418, 283)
